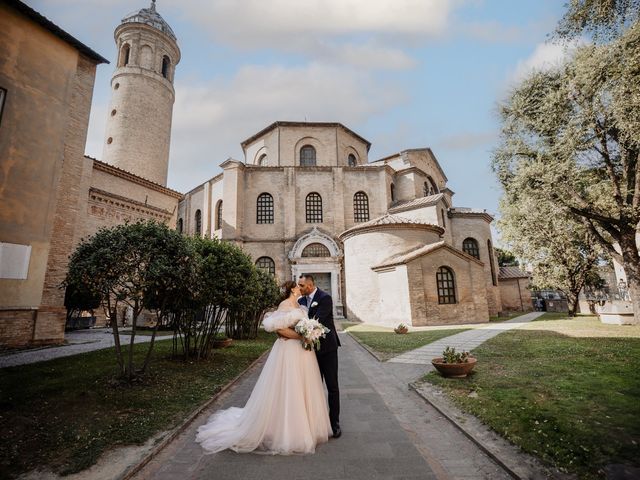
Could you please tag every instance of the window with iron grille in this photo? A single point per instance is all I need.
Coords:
(470, 246)
(425, 190)
(316, 250)
(360, 207)
(267, 264)
(393, 192)
(180, 225)
(307, 156)
(446, 286)
(314, 208)
(219, 215)
(198, 222)
(352, 160)
(264, 208)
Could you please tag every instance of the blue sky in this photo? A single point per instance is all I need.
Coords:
(401, 73)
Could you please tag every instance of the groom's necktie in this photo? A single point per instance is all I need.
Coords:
(308, 301)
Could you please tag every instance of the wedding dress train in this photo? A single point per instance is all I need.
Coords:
(287, 411)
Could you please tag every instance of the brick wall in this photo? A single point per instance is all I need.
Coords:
(50, 321)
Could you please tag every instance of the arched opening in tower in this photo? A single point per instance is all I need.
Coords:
(165, 67)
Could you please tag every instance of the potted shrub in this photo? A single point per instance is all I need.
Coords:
(221, 341)
(401, 328)
(454, 364)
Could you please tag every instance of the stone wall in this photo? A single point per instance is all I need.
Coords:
(515, 295)
(471, 301)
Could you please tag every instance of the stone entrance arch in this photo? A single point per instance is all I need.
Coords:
(331, 265)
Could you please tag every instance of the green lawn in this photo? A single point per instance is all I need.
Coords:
(63, 414)
(386, 344)
(564, 389)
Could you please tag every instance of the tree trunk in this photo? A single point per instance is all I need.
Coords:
(631, 264)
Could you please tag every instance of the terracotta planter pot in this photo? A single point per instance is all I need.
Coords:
(401, 330)
(454, 370)
(223, 343)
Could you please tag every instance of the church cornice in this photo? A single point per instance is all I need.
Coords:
(417, 252)
(128, 203)
(118, 172)
(468, 212)
(403, 153)
(278, 124)
(390, 222)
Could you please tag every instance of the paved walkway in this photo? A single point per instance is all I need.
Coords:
(462, 341)
(79, 341)
(389, 432)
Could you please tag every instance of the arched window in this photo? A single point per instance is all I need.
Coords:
(494, 280)
(430, 187)
(180, 225)
(446, 286)
(393, 192)
(316, 250)
(267, 264)
(124, 55)
(470, 246)
(360, 207)
(166, 63)
(219, 215)
(263, 161)
(425, 190)
(264, 208)
(307, 156)
(314, 208)
(198, 222)
(444, 221)
(352, 160)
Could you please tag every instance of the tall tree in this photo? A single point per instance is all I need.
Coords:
(561, 251)
(571, 137)
(602, 19)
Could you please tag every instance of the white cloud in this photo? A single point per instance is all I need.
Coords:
(367, 34)
(251, 22)
(215, 117)
(544, 57)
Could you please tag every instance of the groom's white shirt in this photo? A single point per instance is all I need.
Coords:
(310, 297)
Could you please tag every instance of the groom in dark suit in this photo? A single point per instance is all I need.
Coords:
(320, 305)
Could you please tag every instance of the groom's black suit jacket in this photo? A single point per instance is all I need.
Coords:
(322, 309)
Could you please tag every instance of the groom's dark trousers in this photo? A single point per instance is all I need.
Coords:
(322, 308)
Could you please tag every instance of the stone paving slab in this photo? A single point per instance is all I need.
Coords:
(373, 446)
(389, 432)
(462, 341)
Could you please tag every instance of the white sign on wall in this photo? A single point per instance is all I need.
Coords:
(14, 261)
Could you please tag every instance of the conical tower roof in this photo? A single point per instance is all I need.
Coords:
(149, 16)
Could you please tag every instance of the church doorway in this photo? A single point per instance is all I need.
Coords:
(322, 281)
(317, 254)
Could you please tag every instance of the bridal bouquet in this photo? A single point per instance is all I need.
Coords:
(311, 331)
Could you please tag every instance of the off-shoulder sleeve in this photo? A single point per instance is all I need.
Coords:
(281, 319)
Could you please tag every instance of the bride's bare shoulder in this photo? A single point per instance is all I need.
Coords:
(283, 303)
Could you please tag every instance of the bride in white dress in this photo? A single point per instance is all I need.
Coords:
(287, 411)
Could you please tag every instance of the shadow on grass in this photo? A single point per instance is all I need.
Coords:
(64, 413)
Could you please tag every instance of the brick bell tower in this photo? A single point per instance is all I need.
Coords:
(138, 131)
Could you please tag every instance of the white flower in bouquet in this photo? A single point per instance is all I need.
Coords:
(311, 331)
